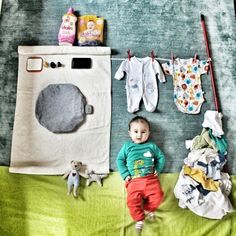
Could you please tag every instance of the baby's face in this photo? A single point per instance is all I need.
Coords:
(91, 25)
(139, 132)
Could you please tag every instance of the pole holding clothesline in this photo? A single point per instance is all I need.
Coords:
(210, 62)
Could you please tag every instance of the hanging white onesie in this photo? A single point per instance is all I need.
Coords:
(188, 94)
(141, 82)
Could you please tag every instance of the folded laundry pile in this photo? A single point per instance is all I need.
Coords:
(202, 186)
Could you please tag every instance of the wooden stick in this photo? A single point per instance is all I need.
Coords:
(210, 62)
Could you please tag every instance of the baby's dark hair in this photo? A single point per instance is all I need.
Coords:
(139, 119)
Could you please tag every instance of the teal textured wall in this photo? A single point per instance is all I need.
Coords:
(163, 26)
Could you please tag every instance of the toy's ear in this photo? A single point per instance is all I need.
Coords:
(80, 163)
(72, 161)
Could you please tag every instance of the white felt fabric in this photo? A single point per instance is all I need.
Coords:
(36, 150)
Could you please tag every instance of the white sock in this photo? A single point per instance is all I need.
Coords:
(139, 225)
(150, 215)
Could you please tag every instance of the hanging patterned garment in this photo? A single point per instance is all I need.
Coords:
(188, 94)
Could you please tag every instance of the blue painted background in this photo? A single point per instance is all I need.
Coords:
(163, 26)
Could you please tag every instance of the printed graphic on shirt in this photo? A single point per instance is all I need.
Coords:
(138, 168)
(147, 154)
(188, 94)
(142, 166)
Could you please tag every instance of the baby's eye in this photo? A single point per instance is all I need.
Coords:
(143, 132)
(136, 131)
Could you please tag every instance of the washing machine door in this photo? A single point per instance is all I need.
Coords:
(61, 108)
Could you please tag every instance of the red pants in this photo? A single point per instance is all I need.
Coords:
(143, 193)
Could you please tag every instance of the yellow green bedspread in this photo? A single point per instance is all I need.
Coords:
(34, 205)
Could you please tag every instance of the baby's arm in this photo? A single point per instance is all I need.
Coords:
(121, 164)
(159, 160)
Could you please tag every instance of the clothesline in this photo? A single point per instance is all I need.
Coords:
(122, 59)
(156, 58)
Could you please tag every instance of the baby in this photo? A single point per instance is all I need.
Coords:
(139, 163)
(91, 33)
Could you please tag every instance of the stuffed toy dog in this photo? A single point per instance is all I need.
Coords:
(92, 177)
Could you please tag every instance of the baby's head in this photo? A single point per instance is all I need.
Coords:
(91, 25)
(139, 129)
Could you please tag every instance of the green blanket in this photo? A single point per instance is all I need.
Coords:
(38, 205)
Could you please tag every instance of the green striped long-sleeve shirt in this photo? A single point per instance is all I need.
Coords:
(138, 160)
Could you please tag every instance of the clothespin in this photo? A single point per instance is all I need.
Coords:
(172, 57)
(195, 57)
(152, 55)
(209, 60)
(129, 54)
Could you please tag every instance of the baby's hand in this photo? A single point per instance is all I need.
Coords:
(156, 173)
(128, 178)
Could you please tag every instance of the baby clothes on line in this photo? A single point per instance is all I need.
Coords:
(188, 94)
(141, 82)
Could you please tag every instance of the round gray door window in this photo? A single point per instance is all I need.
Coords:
(60, 108)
